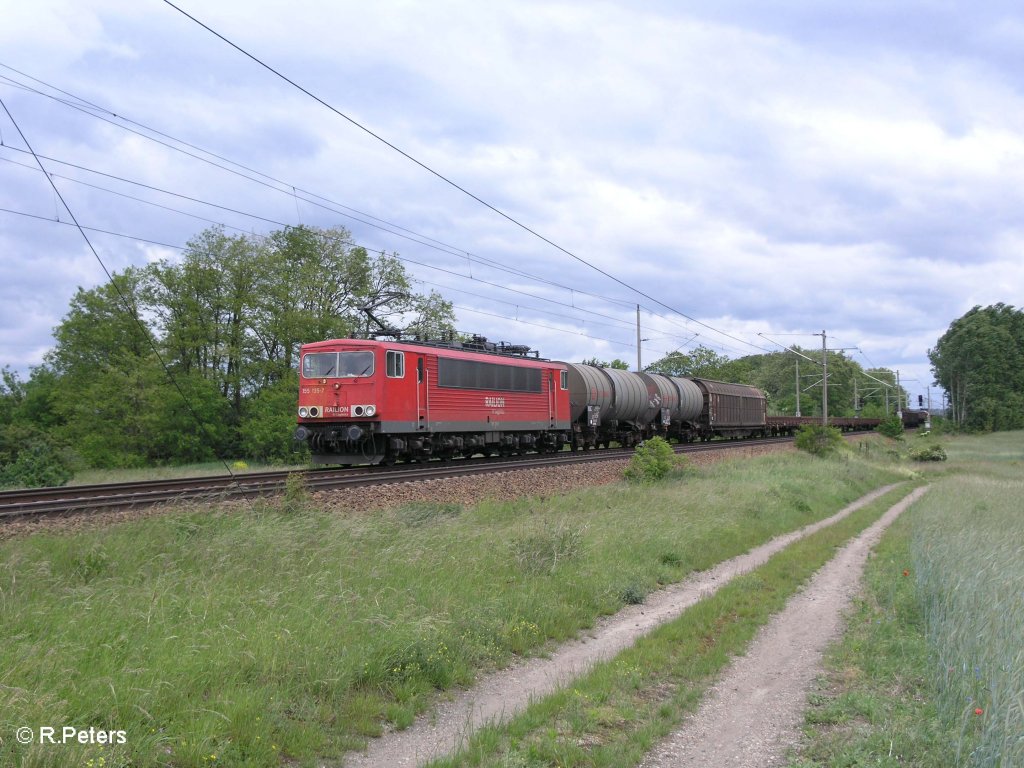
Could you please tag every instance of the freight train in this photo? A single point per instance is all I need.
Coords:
(367, 401)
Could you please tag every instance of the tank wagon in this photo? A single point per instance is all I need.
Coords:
(367, 401)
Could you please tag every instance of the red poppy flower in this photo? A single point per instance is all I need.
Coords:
(979, 711)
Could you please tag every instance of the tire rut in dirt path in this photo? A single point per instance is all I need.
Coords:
(503, 694)
(752, 715)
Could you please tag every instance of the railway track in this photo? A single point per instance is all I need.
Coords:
(90, 498)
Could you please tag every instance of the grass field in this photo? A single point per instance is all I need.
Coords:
(931, 672)
(613, 715)
(285, 633)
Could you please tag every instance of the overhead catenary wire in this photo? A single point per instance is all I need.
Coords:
(290, 189)
(279, 223)
(474, 310)
(620, 322)
(126, 304)
(285, 187)
(452, 183)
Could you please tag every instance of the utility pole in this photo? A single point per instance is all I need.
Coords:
(798, 386)
(824, 379)
(639, 364)
(899, 399)
(856, 400)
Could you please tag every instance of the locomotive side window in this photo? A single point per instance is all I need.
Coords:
(469, 374)
(564, 379)
(334, 365)
(396, 364)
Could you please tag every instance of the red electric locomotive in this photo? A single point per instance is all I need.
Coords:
(367, 401)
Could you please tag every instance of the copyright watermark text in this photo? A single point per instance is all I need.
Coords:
(68, 734)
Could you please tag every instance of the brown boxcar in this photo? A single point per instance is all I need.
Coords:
(731, 410)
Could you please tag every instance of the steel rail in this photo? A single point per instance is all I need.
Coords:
(87, 498)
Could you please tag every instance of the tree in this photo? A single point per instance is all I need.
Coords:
(201, 302)
(434, 318)
(979, 361)
(269, 420)
(103, 329)
(103, 345)
(29, 457)
(196, 357)
(702, 362)
(618, 364)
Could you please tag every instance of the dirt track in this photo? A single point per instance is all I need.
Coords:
(800, 634)
(752, 715)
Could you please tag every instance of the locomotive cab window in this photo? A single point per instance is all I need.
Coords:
(396, 364)
(335, 365)
(563, 379)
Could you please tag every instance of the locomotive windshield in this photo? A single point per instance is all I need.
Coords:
(337, 365)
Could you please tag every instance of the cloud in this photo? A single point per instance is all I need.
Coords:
(812, 165)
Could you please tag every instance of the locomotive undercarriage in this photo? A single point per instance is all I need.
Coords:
(360, 444)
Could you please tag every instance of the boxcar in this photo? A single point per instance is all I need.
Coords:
(730, 410)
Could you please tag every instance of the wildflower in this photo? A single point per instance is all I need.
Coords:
(979, 711)
(906, 572)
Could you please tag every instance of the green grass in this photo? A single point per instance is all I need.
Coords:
(931, 670)
(614, 714)
(283, 632)
(97, 476)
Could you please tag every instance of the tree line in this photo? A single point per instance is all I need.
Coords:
(194, 358)
(979, 361)
(852, 389)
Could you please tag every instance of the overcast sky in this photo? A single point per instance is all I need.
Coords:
(749, 168)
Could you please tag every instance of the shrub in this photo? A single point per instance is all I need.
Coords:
(296, 493)
(633, 594)
(652, 460)
(39, 464)
(891, 427)
(818, 440)
(269, 421)
(934, 452)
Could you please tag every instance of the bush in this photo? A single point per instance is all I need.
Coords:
(934, 452)
(892, 427)
(652, 460)
(818, 440)
(38, 465)
(269, 421)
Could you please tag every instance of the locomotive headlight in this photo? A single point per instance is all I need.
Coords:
(303, 412)
(370, 410)
(357, 410)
